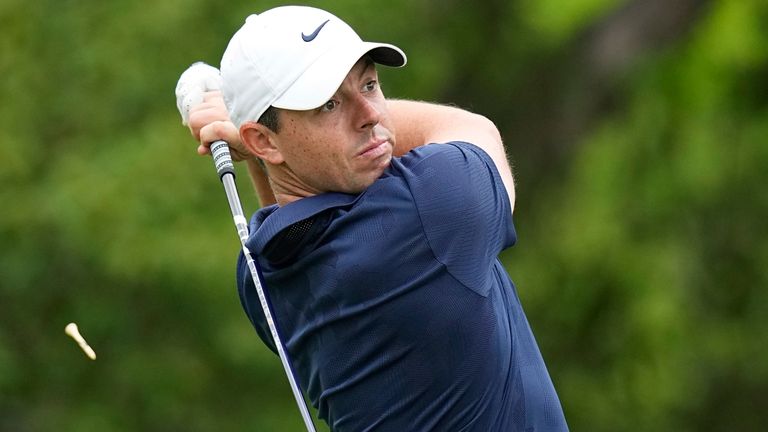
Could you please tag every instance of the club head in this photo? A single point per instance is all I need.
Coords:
(196, 80)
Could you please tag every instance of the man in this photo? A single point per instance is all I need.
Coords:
(380, 254)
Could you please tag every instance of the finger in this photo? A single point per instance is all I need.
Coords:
(219, 130)
(214, 95)
(209, 107)
(204, 116)
(207, 112)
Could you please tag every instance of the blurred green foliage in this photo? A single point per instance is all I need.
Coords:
(643, 254)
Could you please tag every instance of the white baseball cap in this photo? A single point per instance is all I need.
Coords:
(292, 57)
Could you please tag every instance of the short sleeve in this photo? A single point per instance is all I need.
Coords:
(463, 206)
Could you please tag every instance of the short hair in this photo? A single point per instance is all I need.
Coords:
(270, 119)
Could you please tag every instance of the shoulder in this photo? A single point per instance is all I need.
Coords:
(451, 172)
(444, 155)
(462, 206)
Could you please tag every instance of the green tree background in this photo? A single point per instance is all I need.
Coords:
(638, 134)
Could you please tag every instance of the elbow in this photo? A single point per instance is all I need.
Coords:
(487, 128)
(490, 128)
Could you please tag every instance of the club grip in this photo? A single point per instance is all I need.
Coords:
(222, 159)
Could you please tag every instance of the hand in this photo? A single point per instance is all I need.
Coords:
(209, 122)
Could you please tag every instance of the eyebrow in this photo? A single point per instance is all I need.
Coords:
(368, 63)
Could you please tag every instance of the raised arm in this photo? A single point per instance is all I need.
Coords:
(420, 123)
(208, 122)
(416, 124)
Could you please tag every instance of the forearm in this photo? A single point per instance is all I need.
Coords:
(209, 122)
(420, 123)
(407, 117)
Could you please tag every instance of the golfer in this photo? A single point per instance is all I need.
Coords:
(379, 251)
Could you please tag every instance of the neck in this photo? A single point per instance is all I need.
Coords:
(288, 188)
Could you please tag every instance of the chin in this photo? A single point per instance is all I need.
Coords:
(364, 180)
(364, 184)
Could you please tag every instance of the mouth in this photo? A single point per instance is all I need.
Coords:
(375, 149)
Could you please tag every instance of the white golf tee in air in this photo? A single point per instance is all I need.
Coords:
(74, 333)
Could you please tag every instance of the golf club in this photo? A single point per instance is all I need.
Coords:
(195, 81)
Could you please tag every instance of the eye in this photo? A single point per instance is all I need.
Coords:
(329, 106)
(371, 85)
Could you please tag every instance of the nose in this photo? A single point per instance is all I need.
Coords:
(367, 113)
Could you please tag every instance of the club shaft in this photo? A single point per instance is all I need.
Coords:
(225, 168)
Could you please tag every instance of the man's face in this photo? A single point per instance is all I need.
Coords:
(344, 145)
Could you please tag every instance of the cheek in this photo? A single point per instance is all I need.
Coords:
(300, 148)
(312, 149)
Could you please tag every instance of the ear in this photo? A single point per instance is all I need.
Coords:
(260, 141)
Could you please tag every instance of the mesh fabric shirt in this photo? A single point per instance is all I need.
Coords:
(393, 306)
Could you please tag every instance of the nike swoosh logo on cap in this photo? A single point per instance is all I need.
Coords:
(313, 35)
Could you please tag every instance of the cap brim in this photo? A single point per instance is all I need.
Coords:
(321, 80)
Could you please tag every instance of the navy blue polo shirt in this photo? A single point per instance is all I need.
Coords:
(393, 305)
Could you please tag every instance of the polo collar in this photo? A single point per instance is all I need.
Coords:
(269, 221)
